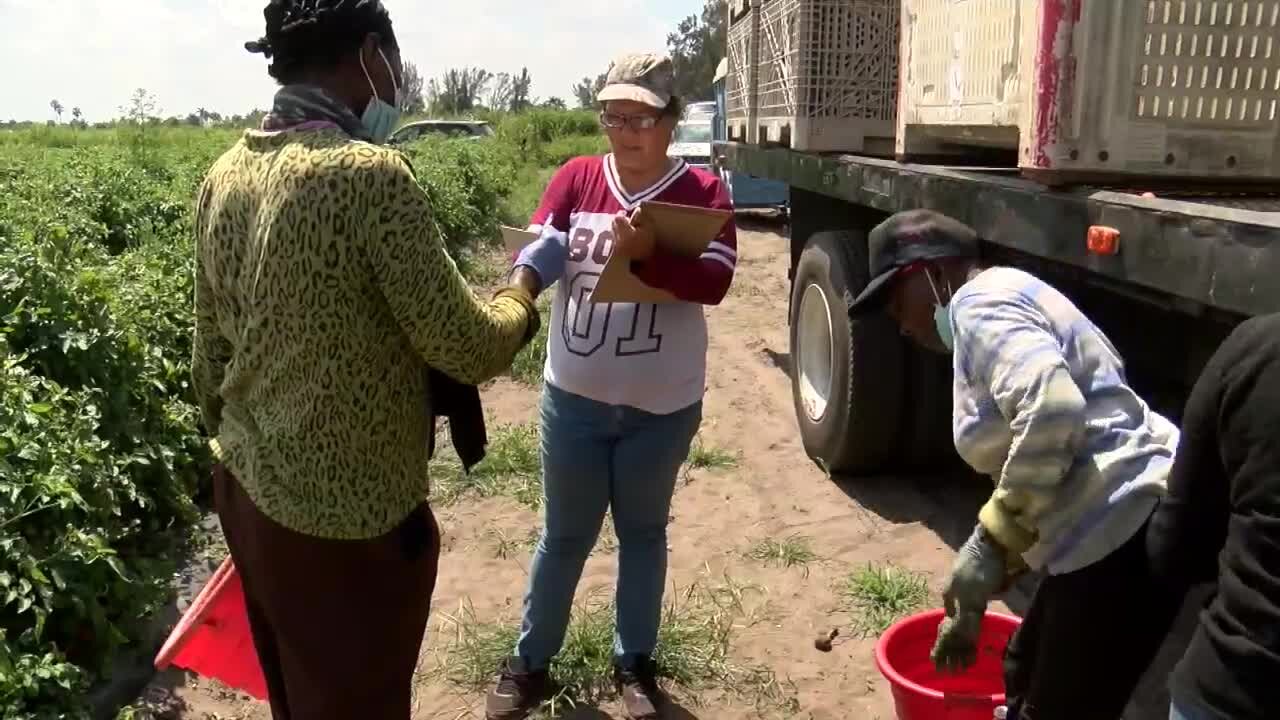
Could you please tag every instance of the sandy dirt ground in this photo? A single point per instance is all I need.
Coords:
(718, 515)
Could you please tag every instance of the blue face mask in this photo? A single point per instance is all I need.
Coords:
(380, 117)
(941, 316)
(942, 320)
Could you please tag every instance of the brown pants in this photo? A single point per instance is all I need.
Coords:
(338, 624)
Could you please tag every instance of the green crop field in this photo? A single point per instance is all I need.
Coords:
(102, 460)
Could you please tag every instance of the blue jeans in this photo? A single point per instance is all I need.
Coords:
(598, 457)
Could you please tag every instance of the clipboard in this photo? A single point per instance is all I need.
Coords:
(678, 229)
(684, 229)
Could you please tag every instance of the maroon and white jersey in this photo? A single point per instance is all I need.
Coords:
(651, 357)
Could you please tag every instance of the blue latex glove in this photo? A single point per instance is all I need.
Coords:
(976, 576)
(546, 256)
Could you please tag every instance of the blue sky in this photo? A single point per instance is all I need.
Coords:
(93, 54)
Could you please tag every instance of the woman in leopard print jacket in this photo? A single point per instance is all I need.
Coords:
(323, 294)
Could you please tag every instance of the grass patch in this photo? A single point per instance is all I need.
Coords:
(703, 457)
(530, 361)
(879, 595)
(792, 551)
(748, 290)
(607, 543)
(484, 266)
(512, 468)
(507, 546)
(693, 649)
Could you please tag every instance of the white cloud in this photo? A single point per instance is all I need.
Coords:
(92, 54)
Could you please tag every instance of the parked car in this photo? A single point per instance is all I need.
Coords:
(692, 141)
(466, 129)
(699, 109)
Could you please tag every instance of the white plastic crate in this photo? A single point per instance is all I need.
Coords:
(827, 74)
(1087, 89)
(740, 84)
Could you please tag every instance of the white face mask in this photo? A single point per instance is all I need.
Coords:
(380, 117)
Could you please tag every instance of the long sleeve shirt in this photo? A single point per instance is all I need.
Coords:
(323, 294)
(649, 356)
(1042, 406)
(1221, 522)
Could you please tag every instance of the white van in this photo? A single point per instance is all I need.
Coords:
(692, 140)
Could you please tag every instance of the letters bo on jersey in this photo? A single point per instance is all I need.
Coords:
(649, 356)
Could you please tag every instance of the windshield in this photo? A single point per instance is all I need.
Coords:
(695, 133)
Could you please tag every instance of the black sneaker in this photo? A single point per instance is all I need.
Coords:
(642, 699)
(519, 691)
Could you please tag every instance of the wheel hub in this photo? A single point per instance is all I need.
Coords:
(814, 352)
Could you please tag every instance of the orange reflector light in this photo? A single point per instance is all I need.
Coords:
(1103, 240)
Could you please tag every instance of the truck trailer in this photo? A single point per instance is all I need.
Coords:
(1160, 223)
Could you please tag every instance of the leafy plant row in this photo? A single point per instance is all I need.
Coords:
(101, 455)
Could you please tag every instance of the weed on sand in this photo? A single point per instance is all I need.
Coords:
(511, 468)
(879, 595)
(705, 457)
(693, 652)
(788, 552)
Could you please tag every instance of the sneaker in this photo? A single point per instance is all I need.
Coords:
(642, 699)
(519, 691)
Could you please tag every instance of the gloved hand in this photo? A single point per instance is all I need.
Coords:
(1014, 568)
(546, 256)
(976, 576)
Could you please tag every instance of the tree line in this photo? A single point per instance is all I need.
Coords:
(696, 47)
(459, 91)
(143, 109)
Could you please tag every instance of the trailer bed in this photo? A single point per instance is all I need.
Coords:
(1202, 248)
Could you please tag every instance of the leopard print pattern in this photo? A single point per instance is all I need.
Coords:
(323, 293)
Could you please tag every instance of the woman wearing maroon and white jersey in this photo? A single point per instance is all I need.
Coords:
(624, 384)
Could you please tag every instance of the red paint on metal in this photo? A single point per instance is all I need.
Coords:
(1051, 86)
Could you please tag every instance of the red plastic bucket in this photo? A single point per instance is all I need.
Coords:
(920, 692)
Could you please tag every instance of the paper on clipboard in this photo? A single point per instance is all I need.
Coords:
(684, 229)
(616, 277)
(514, 239)
(678, 229)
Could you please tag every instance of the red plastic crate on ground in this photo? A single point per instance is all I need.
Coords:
(213, 639)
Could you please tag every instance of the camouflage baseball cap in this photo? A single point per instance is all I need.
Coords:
(643, 77)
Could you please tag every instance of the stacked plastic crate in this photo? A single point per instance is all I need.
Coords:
(1096, 89)
(740, 84)
(827, 74)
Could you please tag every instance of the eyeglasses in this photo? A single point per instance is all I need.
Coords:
(615, 121)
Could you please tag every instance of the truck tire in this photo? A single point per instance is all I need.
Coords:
(927, 445)
(846, 373)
